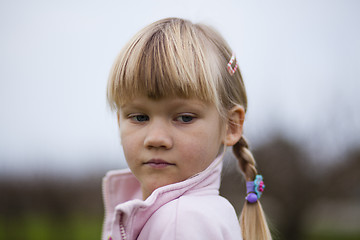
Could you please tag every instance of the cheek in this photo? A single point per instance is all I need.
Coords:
(130, 145)
(209, 139)
(128, 135)
(202, 150)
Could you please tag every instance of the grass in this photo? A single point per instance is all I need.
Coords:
(35, 226)
(43, 227)
(331, 235)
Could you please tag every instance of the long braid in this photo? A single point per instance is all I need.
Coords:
(252, 219)
(245, 158)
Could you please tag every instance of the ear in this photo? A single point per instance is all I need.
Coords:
(234, 128)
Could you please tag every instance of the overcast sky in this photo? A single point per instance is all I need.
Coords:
(300, 61)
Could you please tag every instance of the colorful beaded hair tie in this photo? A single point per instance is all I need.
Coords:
(229, 65)
(254, 189)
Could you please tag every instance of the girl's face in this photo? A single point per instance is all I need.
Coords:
(169, 140)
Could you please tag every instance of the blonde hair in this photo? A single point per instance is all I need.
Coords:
(174, 57)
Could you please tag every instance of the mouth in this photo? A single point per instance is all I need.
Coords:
(158, 163)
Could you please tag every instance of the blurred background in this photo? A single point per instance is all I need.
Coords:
(301, 64)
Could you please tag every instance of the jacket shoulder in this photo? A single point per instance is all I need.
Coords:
(194, 217)
(210, 217)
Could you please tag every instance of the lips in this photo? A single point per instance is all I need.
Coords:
(158, 163)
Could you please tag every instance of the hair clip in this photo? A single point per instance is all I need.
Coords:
(232, 70)
(254, 189)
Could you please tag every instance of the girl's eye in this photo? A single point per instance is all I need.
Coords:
(185, 118)
(140, 118)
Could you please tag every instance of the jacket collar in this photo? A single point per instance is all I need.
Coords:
(122, 192)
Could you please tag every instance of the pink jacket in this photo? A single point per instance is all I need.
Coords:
(191, 209)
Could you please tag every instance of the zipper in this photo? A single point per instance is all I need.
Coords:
(122, 228)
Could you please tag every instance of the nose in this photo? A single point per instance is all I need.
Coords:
(158, 136)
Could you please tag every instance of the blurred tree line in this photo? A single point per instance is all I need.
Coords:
(296, 188)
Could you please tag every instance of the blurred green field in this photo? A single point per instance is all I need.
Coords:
(77, 227)
(329, 235)
(43, 227)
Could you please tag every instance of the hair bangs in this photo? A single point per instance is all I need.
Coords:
(169, 61)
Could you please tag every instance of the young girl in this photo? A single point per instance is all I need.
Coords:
(180, 100)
